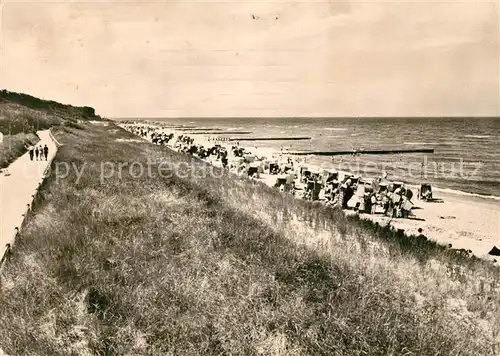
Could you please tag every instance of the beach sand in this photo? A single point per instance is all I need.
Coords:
(464, 221)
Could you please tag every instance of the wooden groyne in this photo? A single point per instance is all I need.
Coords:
(225, 133)
(216, 133)
(197, 129)
(269, 138)
(365, 152)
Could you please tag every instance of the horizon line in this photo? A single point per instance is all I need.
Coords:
(301, 117)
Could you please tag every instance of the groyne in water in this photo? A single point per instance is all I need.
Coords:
(269, 138)
(215, 133)
(197, 129)
(225, 133)
(369, 152)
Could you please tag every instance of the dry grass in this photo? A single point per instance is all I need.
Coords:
(50, 110)
(21, 116)
(208, 266)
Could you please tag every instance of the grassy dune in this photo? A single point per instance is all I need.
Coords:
(191, 264)
(52, 110)
(25, 113)
(22, 115)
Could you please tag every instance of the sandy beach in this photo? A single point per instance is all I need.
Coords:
(464, 221)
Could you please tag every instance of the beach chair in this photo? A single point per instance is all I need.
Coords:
(305, 175)
(425, 192)
(287, 168)
(331, 176)
(316, 176)
(252, 170)
(355, 180)
(279, 182)
(397, 185)
(273, 168)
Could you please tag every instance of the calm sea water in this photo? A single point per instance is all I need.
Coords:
(466, 156)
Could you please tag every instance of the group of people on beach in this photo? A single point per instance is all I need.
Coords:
(394, 201)
(38, 153)
(347, 191)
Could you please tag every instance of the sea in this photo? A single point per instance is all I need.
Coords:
(466, 158)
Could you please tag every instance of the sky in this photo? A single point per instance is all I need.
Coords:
(205, 59)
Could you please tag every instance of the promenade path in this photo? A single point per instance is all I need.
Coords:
(18, 187)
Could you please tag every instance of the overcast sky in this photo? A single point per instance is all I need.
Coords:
(194, 58)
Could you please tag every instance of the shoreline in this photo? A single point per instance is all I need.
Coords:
(455, 192)
(465, 220)
(203, 139)
(481, 190)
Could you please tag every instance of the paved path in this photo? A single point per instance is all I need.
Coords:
(17, 188)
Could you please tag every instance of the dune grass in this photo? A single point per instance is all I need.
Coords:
(22, 115)
(199, 262)
(50, 109)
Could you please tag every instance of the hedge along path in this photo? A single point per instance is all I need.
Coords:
(17, 190)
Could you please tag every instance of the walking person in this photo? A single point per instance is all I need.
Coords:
(36, 153)
(30, 151)
(45, 151)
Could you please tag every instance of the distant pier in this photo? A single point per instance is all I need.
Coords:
(365, 152)
(269, 138)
